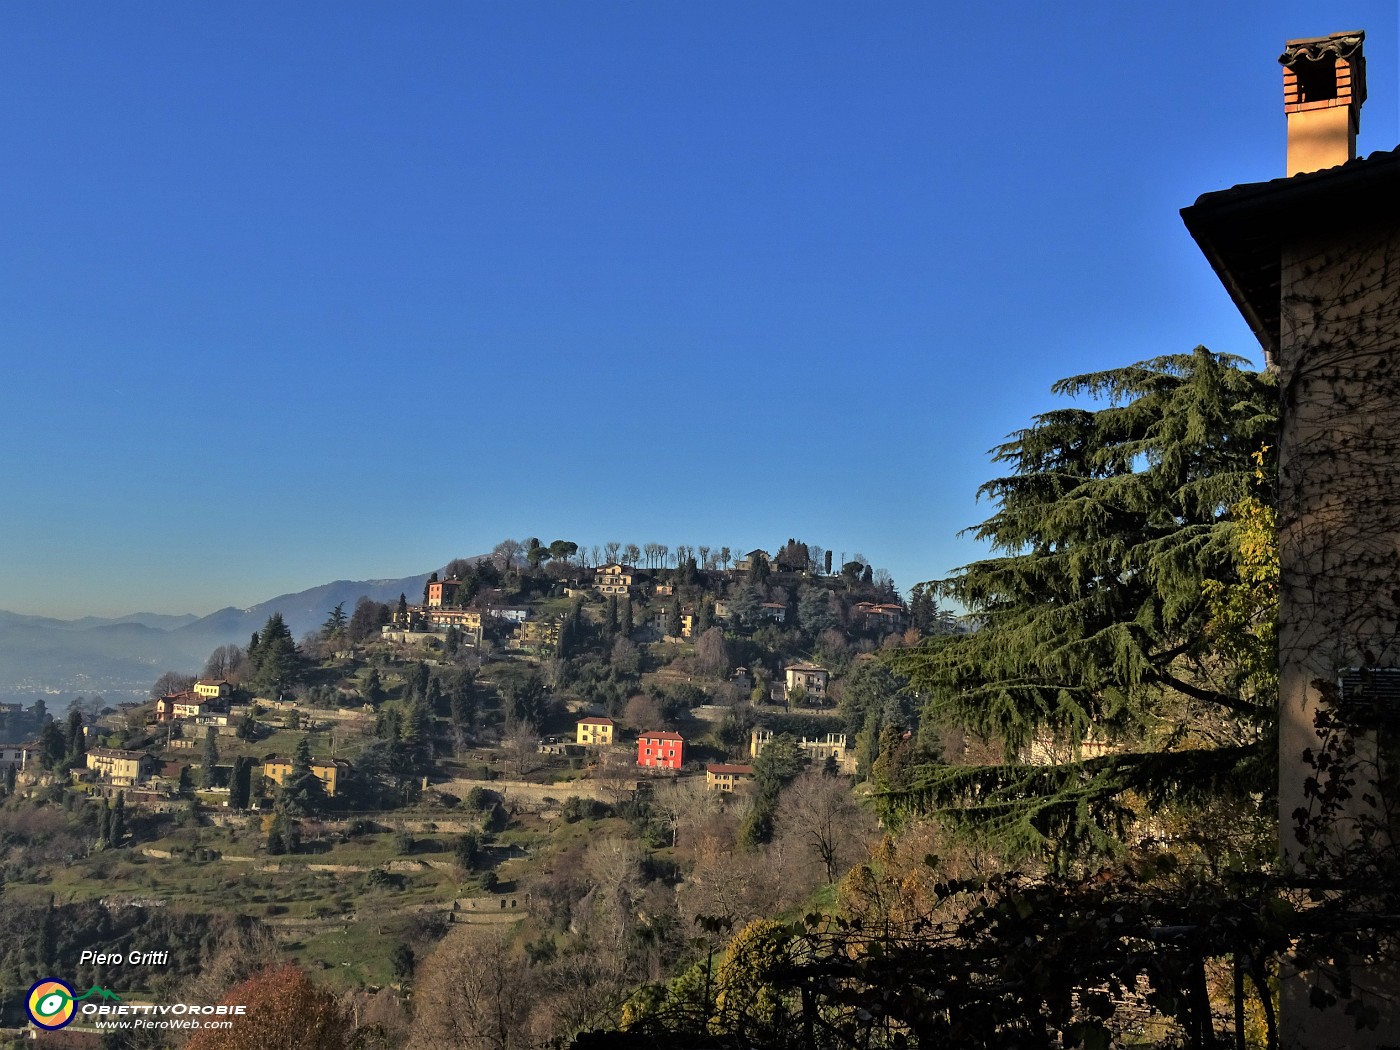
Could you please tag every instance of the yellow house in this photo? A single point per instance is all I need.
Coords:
(595, 732)
(213, 689)
(277, 768)
(120, 767)
(615, 579)
(188, 705)
(467, 619)
(722, 776)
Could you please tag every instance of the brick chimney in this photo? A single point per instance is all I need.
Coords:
(1324, 85)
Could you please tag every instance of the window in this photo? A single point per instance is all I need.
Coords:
(1370, 688)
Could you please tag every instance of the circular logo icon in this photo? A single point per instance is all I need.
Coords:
(50, 1003)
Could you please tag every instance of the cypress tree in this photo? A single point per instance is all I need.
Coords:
(77, 739)
(241, 783)
(118, 824)
(209, 770)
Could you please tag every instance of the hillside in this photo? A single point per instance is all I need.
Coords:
(120, 657)
(375, 801)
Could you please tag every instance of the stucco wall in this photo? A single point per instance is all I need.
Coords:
(1339, 463)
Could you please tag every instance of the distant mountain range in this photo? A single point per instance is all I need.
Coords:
(120, 657)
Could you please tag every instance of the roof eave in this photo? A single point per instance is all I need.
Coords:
(1240, 230)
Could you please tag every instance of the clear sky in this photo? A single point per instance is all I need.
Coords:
(300, 292)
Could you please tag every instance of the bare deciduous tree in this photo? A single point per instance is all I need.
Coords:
(521, 745)
(615, 778)
(625, 656)
(685, 805)
(473, 993)
(642, 713)
(819, 813)
(171, 682)
(505, 553)
(712, 654)
(224, 662)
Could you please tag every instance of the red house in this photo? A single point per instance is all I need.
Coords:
(660, 750)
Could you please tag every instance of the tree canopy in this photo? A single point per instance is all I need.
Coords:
(1093, 618)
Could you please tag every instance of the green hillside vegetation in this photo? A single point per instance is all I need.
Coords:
(454, 816)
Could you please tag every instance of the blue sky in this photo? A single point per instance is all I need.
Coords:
(302, 292)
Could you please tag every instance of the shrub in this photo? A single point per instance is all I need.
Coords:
(576, 808)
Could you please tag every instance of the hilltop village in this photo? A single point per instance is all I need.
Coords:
(454, 756)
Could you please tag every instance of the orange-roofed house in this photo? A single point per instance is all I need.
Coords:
(660, 750)
(727, 776)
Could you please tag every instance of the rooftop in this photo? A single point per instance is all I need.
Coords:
(1241, 230)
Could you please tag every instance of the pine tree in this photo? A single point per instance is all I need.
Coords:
(433, 700)
(1093, 614)
(610, 621)
(461, 702)
(374, 689)
(415, 733)
(418, 684)
(278, 662)
(52, 746)
(302, 792)
(775, 767)
(336, 621)
(277, 835)
(625, 608)
(301, 759)
(759, 569)
(673, 618)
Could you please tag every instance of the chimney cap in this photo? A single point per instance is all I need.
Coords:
(1312, 48)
